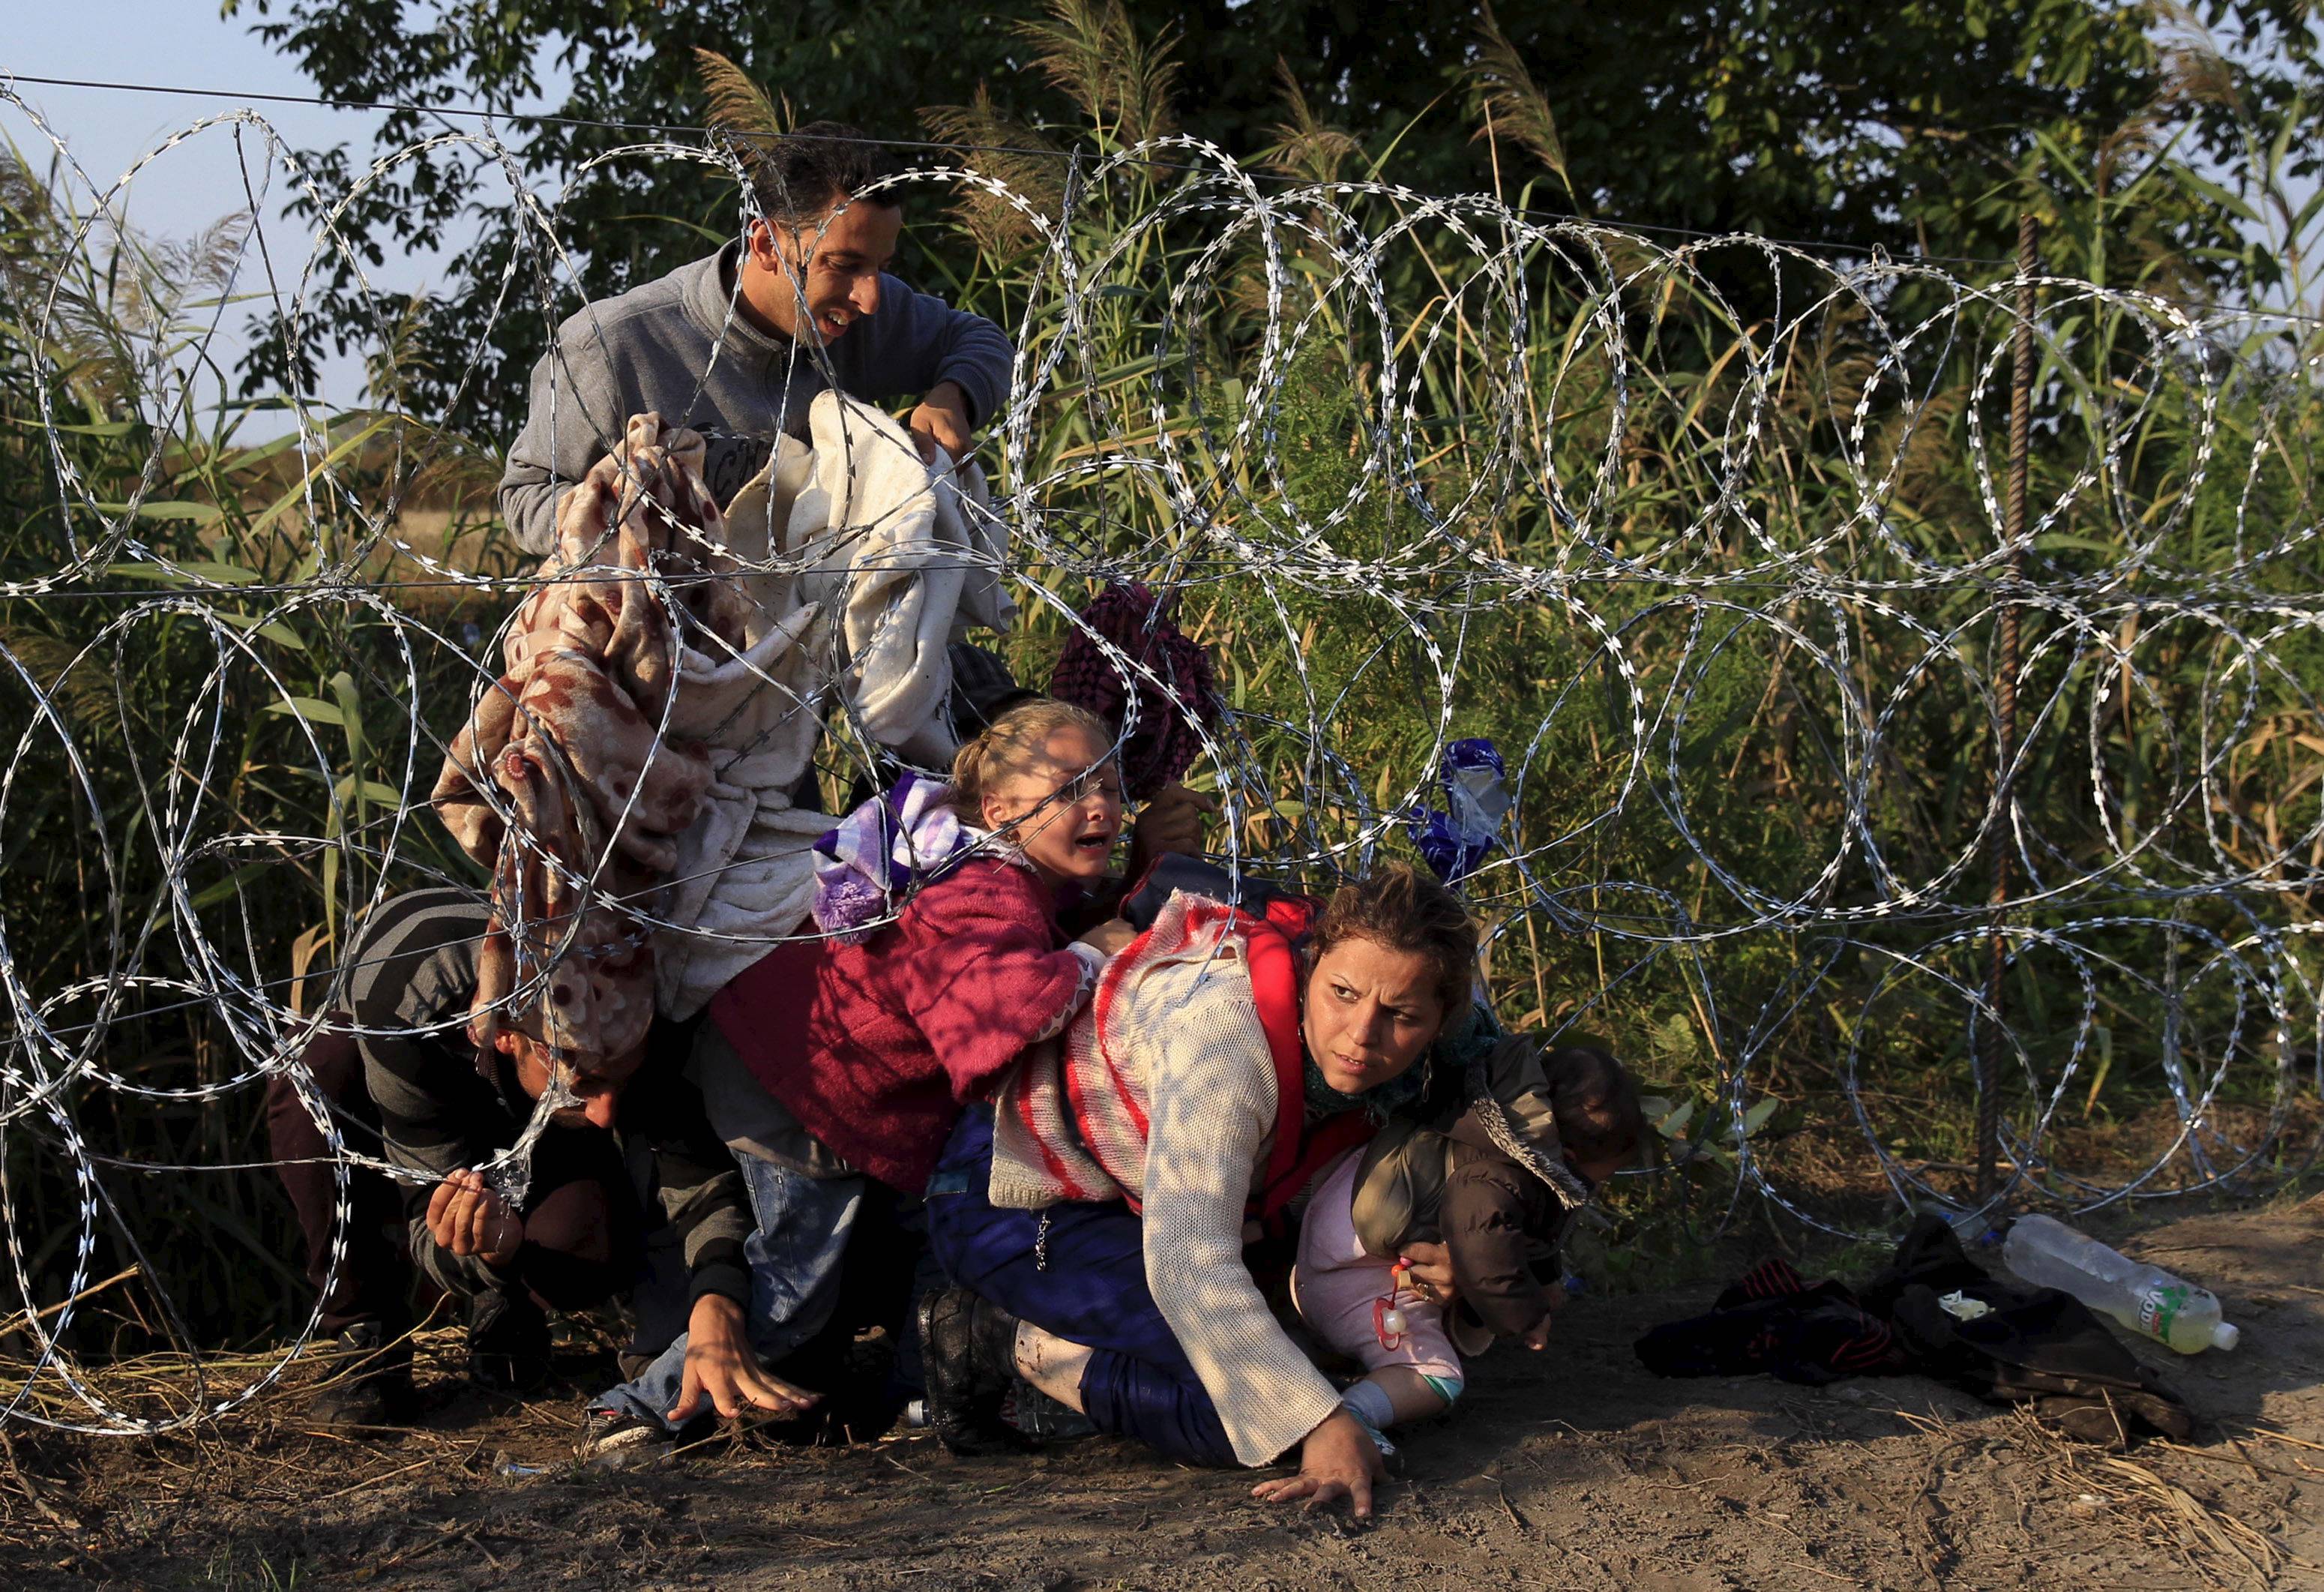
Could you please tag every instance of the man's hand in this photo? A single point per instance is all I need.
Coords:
(722, 1371)
(1336, 1460)
(1170, 824)
(1111, 935)
(1432, 1272)
(465, 1216)
(942, 419)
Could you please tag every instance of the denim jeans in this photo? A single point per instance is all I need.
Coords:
(795, 1255)
(1078, 1271)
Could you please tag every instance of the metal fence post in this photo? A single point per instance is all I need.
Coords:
(2004, 748)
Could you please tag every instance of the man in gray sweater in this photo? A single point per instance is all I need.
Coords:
(738, 345)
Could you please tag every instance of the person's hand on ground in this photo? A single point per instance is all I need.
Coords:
(1432, 1273)
(1111, 935)
(722, 1372)
(942, 419)
(464, 1217)
(1170, 824)
(1537, 1335)
(1337, 1460)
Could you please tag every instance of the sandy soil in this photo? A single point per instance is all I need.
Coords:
(1575, 1469)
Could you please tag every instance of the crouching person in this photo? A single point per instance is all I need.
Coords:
(454, 1090)
(804, 1201)
(1499, 1187)
(833, 1061)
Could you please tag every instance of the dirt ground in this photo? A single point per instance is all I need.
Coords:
(1572, 1468)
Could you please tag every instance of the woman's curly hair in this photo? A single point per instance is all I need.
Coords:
(1399, 908)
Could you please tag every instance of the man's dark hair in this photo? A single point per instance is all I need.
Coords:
(799, 177)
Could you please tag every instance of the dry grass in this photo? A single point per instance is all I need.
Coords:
(2222, 1549)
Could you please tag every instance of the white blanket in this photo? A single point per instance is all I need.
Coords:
(861, 565)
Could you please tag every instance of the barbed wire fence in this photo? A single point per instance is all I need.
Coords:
(1649, 510)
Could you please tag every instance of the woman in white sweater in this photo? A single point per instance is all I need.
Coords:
(1092, 1218)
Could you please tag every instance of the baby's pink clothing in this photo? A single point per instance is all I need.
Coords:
(1335, 1284)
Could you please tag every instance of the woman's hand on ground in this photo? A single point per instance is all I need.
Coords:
(1110, 937)
(1337, 1460)
(1432, 1273)
(464, 1217)
(721, 1370)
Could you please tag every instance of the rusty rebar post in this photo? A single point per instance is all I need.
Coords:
(2004, 703)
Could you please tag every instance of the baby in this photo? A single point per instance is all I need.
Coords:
(1497, 1187)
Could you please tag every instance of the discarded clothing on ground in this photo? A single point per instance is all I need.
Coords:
(1773, 1321)
(2033, 1345)
(2037, 1346)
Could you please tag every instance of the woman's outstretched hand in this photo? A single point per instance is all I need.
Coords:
(1336, 1460)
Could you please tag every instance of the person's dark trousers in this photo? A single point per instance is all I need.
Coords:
(374, 1282)
(1085, 1279)
(662, 1301)
(910, 1372)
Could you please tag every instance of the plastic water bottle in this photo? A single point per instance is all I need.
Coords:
(2148, 1300)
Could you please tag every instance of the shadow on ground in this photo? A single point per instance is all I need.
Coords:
(1569, 1468)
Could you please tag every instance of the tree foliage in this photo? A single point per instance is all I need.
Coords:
(1923, 128)
(302, 656)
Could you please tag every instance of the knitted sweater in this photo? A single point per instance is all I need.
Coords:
(1178, 1024)
(875, 1047)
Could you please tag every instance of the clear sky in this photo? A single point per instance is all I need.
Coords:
(180, 41)
(200, 180)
